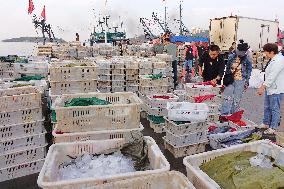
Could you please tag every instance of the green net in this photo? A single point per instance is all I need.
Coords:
(156, 119)
(233, 171)
(21, 60)
(156, 76)
(53, 116)
(29, 78)
(86, 102)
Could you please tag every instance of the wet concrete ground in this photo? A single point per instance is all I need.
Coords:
(252, 104)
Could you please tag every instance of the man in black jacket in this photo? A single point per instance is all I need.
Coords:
(211, 65)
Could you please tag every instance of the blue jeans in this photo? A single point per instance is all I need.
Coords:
(272, 110)
(232, 97)
(188, 64)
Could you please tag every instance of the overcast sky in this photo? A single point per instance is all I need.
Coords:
(70, 16)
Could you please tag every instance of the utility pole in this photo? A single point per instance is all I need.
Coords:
(180, 18)
(166, 14)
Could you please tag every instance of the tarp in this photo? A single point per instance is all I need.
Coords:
(184, 39)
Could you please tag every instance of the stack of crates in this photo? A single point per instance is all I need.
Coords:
(118, 119)
(73, 77)
(22, 141)
(148, 85)
(132, 75)
(186, 136)
(104, 72)
(194, 91)
(11, 71)
(168, 69)
(118, 82)
(155, 107)
(145, 67)
(7, 72)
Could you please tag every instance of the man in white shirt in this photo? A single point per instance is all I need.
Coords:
(273, 88)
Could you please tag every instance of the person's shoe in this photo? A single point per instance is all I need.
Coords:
(263, 126)
(269, 131)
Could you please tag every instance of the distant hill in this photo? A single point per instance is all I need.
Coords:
(29, 39)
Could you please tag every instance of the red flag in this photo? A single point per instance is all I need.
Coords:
(43, 13)
(31, 7)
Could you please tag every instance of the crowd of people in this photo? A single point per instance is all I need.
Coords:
(234, 74)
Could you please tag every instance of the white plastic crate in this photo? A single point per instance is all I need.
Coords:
(20, 102)
(21, 130)
(102, 71)
(117, 71)
(117, 89)
(167, 180)
(131, 77)
(185, 111)
(104, 77)
(133, 88)
(201, 180)
(132, 82)
(57, 154)
(164, 57)
(5, 90)
(160, 102)
(22, 142)
(148, 90)
(158, 128)
(213, 108)
(73, 87)
(93, 135)
(131, 71)
(117, 66)
(122, 113)
(159, 65)
(218, 99)
(145, 65)
(185, 128)
(145, 81)
(194, 90)
(59, 72)
(143, 71)
(213, 118)
(160, 70)
(19, 117)
(9, 75)
(103, 84)
(21, 170)
(186, 139)
(22, 156)
(104, 89)
(7, 67)
(32, 68)
(115, 83)
(186, 150)
(131, 65)
(120, 77)
(155, 111)
(181, 94)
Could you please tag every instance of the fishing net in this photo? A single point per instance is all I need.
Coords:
(156, 119)
(156, 76)
(234, 171)
(86, 102)
(29, 78)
